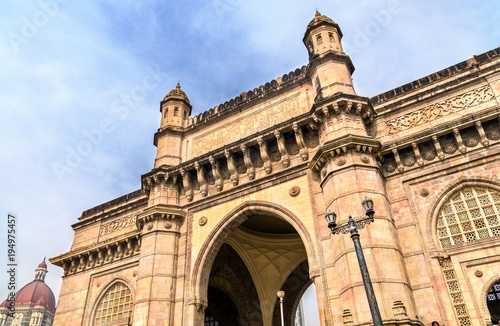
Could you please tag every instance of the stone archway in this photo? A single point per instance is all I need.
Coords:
(264, 243)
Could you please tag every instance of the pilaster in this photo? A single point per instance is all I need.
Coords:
(156, 280)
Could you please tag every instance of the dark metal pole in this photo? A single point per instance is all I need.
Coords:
(372, 301)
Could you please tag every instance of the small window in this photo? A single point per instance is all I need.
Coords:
(165, 112)
(493, 300)
(332, 39)
(176, 111)
(319, 40)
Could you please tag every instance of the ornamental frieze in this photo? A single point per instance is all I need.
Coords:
(247, 125)
(441, 109)
(118, 224)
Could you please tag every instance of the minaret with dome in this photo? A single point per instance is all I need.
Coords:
(35, 303)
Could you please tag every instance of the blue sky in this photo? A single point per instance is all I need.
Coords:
(74, 68)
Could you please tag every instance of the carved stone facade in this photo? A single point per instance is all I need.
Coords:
(233, 210)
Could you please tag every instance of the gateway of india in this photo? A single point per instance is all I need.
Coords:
(234, 207)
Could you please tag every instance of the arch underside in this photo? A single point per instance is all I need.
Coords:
(251, 265)
(228, 224)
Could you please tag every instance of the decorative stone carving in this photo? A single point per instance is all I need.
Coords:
(299, 138)
(116, 225)
(216, 173)
(482, 134)
(100, 256)
(478, 273)
(326, 112)
(200, 171)
(341, 161)
(294, 191)
(186, 182)
(398, 160)
(347, 317)
(109, 253)
(91, 260)
(231, 165)
(285, 159)
(248, 161)
(437, 145)
(247, 125)
(264, 153)
(459, 140)
(416, 150)
(119, 251)
(424, 192)
(203, 220)
(441, 109)
(390, 167)
(399, 310)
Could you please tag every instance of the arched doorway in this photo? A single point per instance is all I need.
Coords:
(262, 255)
(493, 300)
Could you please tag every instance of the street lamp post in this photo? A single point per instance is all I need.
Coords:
(352, 227)
(281, 294)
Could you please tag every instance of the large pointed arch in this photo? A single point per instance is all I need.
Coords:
(227, 225)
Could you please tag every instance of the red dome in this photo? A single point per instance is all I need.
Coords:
(42, 265)
(37, 293)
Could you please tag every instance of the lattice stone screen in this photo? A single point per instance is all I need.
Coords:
(115, 305)
(470, 215)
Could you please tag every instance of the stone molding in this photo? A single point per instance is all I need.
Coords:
(98, 254)
(168, 213)
(441, 109)
(452, 142)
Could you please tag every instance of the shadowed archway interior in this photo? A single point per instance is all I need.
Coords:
(263, 255)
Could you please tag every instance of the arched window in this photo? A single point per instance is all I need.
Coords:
(332, 39)
(319, 40)
(471, 214)
(18, 318)
(493, 300)
(115, 306)
(165, 113)
(176, 111)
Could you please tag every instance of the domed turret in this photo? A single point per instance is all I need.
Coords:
(175, 111)
(36, 293)
(175, 108)
(322, 35)
(330, 67)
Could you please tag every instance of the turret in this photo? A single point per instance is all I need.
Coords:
(175, 111)
(41, 271)
(331, 68)
(175, 108)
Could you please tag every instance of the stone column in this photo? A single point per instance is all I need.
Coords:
(155, 291)
(349, 177)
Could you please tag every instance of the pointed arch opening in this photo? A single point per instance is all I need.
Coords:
(255, 251)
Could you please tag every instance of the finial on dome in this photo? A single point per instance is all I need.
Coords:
(178, 86)
(317, 13)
